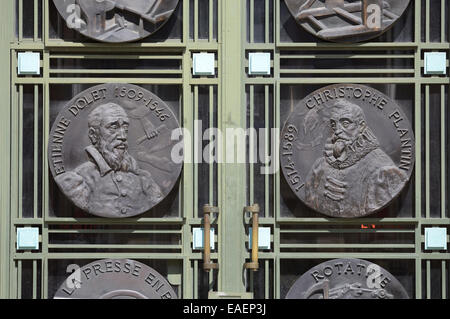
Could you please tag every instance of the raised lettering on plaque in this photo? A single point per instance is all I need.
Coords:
(116, 20)
(346, 20)
(347, 150)
(115, 279)
(347, 279)
(110, 150)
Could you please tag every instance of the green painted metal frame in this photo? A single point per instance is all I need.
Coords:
(231, 83)
(413, 76)
(186, 259)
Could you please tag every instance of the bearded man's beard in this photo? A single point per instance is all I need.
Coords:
(118, 159)
(339, 146)
(341, 152)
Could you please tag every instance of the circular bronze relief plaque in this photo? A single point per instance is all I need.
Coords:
(347, 279)
(116, 20)
(115, 279)
(347, 150)
(110, 150)
(346, 21)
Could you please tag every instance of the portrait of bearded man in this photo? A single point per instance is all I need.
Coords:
(355, 177)
(110, 182)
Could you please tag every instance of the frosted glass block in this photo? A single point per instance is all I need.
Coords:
(203, 64)
(435, 63)
(28, 238)
(28, 63)
(197, 238)
(259, 63)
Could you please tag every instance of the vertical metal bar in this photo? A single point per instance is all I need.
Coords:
(443, 279)
(219, 23)
(252, 21)
(186, 24)
(418, 24)
(418, 277)
(427, 21)
(428, 279)
(34, 279)
(36, 20)
(277, 281)
(45, 177)
(20, 151)
(267, 22)
(14, 152)
(443, 22)
(19, 279)
(45, 21)
(7, 92)
(186, 196)
(12, 265)
(234, 174)
(196, 150)
(36, 152)
(266, 151)
(417, 131)
(195, 20)
(443, 152)
(211, 21)
(276, 22)
(211, 164)
(195, 279)
(251, 280)
(20, 18)
(276, 124)
(44, 278)
(427, 151)
(266, 279)
(251, 147)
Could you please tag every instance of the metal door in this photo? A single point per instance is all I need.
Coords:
(162, 238)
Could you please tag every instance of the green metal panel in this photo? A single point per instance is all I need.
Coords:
(5, 146)
(322, 227)
(229, 186)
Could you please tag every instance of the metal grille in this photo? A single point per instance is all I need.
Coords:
(160, 238)
(393, 64)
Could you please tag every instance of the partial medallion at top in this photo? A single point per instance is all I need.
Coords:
(347, 150)
(346, 20)
(110, 150)
(116, 20)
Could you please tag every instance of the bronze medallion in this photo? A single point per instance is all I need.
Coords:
(115, 279)
(110, 150)
(347, 150)
(346, 20)
(116, 20)
(347, 279)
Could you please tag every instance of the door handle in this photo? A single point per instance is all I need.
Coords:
(207, 264)
(254, 264)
